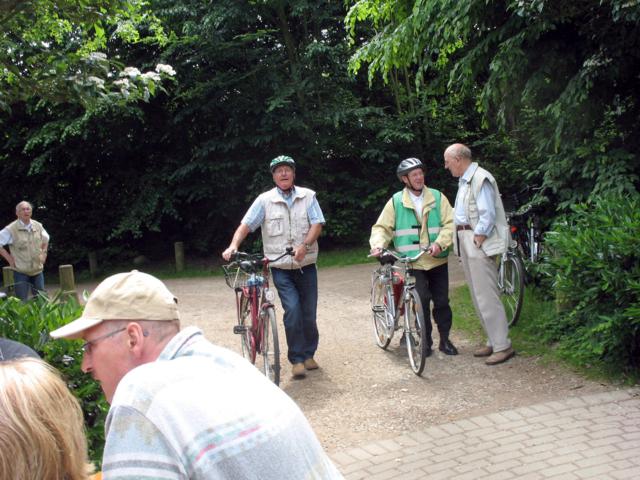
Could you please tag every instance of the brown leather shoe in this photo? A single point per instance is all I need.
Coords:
(311, 364)
(298, 370)
(501, 356)
(483, 352)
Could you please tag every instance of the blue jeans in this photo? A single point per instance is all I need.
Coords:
(298, 290)
(24, 283)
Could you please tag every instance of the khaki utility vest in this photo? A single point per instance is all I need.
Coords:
(26, 247)
(498, 239)
(287, 227)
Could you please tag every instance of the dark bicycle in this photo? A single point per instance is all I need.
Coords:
(248, 276)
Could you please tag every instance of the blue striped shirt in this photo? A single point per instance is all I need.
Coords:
(485, 201)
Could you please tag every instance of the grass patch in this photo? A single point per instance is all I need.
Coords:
(344, 257)
(530, 337)
(526, 337)
(207, 267)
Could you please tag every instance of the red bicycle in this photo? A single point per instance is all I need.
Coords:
(248, 276)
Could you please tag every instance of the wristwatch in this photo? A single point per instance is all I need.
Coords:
(307, 246)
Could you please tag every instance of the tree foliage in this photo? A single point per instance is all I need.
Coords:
(523, 83)
(560, 78)
(54, 50)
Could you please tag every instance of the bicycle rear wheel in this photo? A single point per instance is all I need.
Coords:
(415, 332)
(269, 359)
(380, 311)
(512, 287)
(246, 336)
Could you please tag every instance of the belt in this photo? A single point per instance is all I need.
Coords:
(463, 227)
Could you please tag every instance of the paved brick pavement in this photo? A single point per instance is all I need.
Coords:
(589, 437)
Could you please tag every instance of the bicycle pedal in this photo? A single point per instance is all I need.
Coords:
(240, 329)
(378, 308)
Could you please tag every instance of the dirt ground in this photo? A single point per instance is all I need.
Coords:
(362, 393)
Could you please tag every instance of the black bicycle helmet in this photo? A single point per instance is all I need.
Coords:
(282, 160)
(407, 165)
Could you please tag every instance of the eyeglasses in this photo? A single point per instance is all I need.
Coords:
(88, 345)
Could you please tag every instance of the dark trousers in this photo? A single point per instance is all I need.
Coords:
(298, 291)
(433, 286)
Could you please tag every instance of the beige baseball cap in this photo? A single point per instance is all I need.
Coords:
(125, 296)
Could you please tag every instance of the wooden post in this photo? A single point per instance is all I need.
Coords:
(179, 249)
(93, 264)
(67, 281)
(8, 280)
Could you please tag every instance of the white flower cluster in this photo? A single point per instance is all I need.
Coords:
(166, 69)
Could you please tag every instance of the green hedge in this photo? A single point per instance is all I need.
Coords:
(30, 323)
(594, 265)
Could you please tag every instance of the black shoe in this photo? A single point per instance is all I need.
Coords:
(429, 352)
(447, 347)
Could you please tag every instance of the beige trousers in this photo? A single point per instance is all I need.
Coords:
(481, 273)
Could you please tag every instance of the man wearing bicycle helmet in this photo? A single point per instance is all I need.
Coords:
(420, 217)
(481, 233)
(289, 216)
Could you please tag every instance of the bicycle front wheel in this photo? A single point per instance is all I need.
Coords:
(269, 360)
(246, 336)
(415, 332)
(512, 287)
(380, 311)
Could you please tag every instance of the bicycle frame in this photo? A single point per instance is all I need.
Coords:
(394, 295)
(256, 292)
(248, 275)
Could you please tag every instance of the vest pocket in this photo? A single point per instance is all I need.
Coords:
(275, 226)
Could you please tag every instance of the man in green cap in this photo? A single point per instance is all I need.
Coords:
(289, 216)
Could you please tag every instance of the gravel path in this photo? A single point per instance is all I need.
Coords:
(362, 393)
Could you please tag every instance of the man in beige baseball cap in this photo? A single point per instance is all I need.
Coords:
(182, 407)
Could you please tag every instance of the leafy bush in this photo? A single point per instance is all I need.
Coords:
(30, 323)
(596, 272)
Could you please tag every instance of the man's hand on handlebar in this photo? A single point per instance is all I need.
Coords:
(434, 249)
(375, 252)
(228, 253)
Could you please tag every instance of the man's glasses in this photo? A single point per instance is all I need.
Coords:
(88, 345)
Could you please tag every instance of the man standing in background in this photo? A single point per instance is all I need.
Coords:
(28, 242)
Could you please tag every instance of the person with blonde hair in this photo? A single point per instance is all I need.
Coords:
(41, 424)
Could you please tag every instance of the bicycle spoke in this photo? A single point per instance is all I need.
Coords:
(247, 340)
(269, 360)
(415, 333)
(380, 312)
(511, 282)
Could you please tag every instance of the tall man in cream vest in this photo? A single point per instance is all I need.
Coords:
(481, 233)
(289, 216)
(28, 242)
(420, 217)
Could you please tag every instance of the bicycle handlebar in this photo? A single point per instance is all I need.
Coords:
(385, 254)
(251, 262)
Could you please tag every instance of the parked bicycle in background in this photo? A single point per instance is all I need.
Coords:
(248, 276)
(393, 296)
(511, 279)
